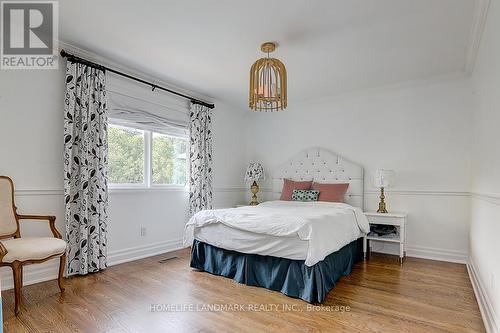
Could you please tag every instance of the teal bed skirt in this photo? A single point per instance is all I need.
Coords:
(290, 277)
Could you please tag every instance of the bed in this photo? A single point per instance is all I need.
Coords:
(300, 249)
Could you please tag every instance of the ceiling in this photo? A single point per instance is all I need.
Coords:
(328, 47)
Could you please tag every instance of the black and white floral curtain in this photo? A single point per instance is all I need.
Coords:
(85, 173)
(200, 156)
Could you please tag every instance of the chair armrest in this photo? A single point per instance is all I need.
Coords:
(3, 251)
(51, 219)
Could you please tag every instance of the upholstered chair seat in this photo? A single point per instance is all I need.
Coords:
(16, 251)
(32, 248)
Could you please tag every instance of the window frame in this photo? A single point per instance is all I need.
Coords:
(148, 169)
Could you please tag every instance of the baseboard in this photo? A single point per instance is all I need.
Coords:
(32, 274)
(143, 251)
(48, 271)
(437, 254)
(489, 320)
(430, 253)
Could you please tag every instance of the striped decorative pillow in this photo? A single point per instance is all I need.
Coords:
(305, 195)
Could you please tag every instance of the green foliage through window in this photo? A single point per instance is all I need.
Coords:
(127, 152)
(169, 160)
(125, 155)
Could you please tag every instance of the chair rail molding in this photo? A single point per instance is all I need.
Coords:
(409, 192)
(493, 198)
(37, 192)
(231, 189)
(55, 192)
(421, 192)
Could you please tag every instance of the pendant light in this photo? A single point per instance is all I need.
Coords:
(268, 82)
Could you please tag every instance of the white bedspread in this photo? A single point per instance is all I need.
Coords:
(326, 226)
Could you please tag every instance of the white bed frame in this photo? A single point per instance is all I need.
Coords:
(322, 166)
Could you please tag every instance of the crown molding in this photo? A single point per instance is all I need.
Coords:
(379, 89)
(94, 57)
(481, 8)
(480, 14)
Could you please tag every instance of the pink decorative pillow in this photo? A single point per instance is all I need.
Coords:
(330, 192)
(290, 185)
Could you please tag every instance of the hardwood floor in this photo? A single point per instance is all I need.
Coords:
(382, 296)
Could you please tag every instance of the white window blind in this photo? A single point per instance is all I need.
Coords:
(147, 116)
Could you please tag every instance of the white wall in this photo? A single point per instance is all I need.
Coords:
(485, 207)
(31, 131)
(421, 131)
(164, 212)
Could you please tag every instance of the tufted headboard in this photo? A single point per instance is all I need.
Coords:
(322, 166)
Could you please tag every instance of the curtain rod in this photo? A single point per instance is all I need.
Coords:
(73, 58)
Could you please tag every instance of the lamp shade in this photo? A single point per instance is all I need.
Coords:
(255, 172)
(384, 178)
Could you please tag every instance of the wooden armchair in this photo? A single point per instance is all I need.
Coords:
(17, 251)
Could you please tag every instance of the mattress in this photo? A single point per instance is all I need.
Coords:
(225, 237)
(293, 230)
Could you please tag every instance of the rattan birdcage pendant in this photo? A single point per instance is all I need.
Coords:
(268, 82)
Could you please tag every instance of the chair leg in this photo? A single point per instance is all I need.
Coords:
(62, 266)
(17, 271)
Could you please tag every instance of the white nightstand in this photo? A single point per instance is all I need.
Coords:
(396, 219)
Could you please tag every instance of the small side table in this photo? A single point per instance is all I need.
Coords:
(396, 219)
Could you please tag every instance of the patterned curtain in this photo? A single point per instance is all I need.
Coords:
(85, 174)
(200, 157)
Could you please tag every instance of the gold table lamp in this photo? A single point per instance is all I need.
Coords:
(382, 179)
(381, 204)
(254, 173)
(254, 189)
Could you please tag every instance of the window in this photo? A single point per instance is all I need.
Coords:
(140, 158)
(125, 155)
(168, 160)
